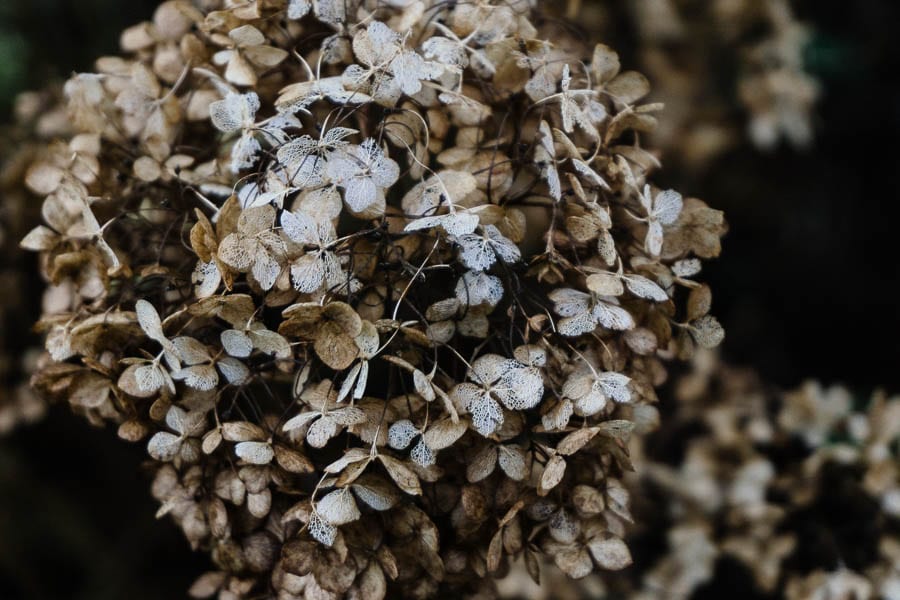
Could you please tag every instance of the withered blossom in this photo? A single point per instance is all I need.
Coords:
(335, 262)
(768, 477)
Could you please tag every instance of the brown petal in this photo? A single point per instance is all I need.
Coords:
(402, 475)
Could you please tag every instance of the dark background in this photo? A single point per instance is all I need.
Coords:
(806, 288)
(807, 284)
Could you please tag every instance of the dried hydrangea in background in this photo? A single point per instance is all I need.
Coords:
(383, 287)
(727, 70)
(799, 490)
(38, 118)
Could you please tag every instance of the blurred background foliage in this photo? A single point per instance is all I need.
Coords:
(42, 40)
(806, 286)
(76, 516)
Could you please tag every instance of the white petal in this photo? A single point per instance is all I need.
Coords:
(476, 252)
(347, 386)
(401, 434)
(300, 228)
(266, 270)
(707, 331)
(191, 350)
(645, 288)
(523, 388)
(164, 446)
(360, 389)
(338, 507)
(487, 415)
(512, 462)
(300, 420)
(207, 278)
(319, 529)
(577, 325)
(257, 453)
(348, 415)
(654, 240)
(612, 317)
(569, 302)
(234, 112)
(149, 320)
(149, 378)
(667, 206)
(588, 173)
(615, 385)
(687, 267)
(488, 368)
(307, 273)
(475, 288)
(320, 432)
(244, 152)
(236, 343)
(505, 248)
(456, 224)
(199, 377)
(176, 418)
(235, 371)
(422, 455)
(376, 493)
(360, 193)
(297, 9)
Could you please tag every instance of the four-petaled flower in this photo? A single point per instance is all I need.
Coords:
(390, 69)
(582, 312)
(662, 209)
(480, 251)
(254, 247)
(496, 378)
(364, 172)
(318, 265)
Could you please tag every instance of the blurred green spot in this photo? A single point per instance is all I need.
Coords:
(13, 58)
(831, 57)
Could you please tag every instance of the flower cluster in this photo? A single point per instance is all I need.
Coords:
(38, 118)
(382, 286)
(759, 45)
(800, 490)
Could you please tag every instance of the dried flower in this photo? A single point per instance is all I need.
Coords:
(434, 253)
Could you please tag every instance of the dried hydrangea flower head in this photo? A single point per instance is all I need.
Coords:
(335, 262)
(38, 117)
(799, 489)
(757, 44)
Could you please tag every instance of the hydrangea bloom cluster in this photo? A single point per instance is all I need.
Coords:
(798, 490)
(38, 119)
(759, 45)
(382, 286)
(795, 494)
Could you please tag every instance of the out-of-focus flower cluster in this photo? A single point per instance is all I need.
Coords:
(38, 118)
(800, 490)
(725, 69)
(382, 286)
